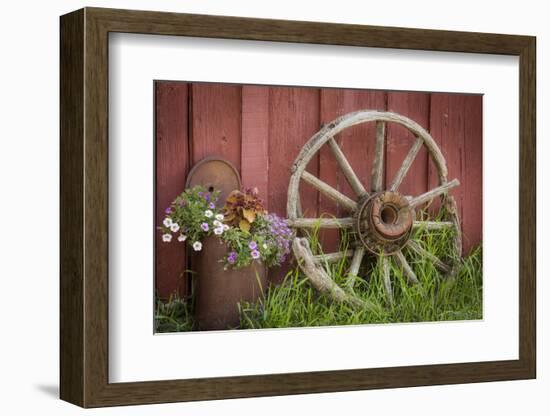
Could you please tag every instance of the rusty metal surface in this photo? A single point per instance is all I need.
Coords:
(214, 173)
(219, 291)
(384, 222)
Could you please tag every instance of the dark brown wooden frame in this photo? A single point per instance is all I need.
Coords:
(84, 208)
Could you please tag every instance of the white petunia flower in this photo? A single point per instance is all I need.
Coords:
(182, 238)
(225, 227)
(217, 223)
(219, 217)
(167, 222)
(264, 246)
(218, 230)
(197, 246)
(167, 238)
(208, 213)
(174, 227)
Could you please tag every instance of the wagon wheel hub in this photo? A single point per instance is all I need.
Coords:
(384, 222)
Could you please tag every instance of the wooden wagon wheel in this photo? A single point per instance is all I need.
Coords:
(381, 219)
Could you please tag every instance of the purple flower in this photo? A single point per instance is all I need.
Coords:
(200, 193)
(204, 226)
(168, 210)
(255, 254)
(207, 196)
(232, 258)
(211, 205)
(252, 245)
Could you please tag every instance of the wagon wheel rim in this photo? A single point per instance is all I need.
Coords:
(383, 219)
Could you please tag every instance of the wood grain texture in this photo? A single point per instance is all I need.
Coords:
(472, 177)
(528, 209)
(216, 122)
(84, 271)
(331, 106)
(226, 27)
(456, 126)
(399, 141)
(95, 349)
(293, 119)
(255, 140)
(447, 129)
(171, 167)
(71, 218)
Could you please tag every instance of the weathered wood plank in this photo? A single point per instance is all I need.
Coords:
(331, 106)
(472, 205)
(400, 141)
(216, 122)
(255, 139)
(172, 165)
(293, 119)
(447, 129)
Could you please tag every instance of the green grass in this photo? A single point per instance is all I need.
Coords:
(295, 303)
(173, 316)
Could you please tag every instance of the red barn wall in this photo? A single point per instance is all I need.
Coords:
(261, 129)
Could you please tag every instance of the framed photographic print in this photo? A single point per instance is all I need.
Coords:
(255, 207)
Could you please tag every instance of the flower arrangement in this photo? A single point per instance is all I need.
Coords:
(248, 230)
(242, 208)
(192, 216)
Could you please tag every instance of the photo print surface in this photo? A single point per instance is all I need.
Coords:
(284, 207)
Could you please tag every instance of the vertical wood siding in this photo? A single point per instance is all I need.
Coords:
(261, 130)
(255, 140)
(416, 106)
(172, 166)
(293, 119)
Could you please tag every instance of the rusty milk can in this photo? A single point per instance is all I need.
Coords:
(218, 291)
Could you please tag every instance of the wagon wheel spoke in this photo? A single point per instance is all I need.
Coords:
(355, 265)
(431, 194)
(407, 269)
(320, 279)
(348, 171)
(418, 249)
(405, 166)
(386, 278)
(329, 191)
(332, 257)
(340, 223)
(378, 164)
(432, 225)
